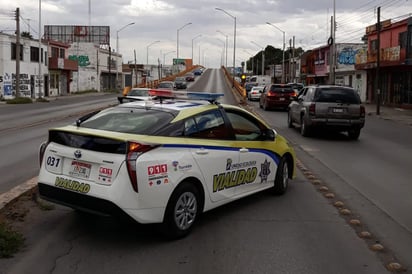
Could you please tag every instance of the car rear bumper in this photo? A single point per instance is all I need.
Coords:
(99, 206)
(340, 124)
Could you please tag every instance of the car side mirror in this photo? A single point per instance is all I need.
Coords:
(268, 135)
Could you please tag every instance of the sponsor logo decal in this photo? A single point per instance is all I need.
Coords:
(105, 174)
(264, 171)
(72, 185)
(157, 174)
(236, 174)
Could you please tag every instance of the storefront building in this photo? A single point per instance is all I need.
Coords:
(391, 75)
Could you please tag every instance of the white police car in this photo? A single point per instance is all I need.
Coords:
(163, 161)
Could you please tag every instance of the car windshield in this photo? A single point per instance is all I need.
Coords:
(337, 95)
(130, 120)
(180, 79)
(138, 92)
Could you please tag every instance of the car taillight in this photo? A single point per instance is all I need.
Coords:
(42, 150)
(312, 109)
(134, 150)
(362, 111)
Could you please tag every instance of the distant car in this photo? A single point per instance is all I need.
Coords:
(327, 107)
(276, 96)
(297, 86)
(166, 85)
(136, 94)
(180, 83)
(164, 161)
(190, 77)
(255, 93)
(249, 85)
(197, 72)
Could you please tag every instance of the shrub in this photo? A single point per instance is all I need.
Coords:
(10, 241)
(20, 100)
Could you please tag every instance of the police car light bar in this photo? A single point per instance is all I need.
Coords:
(187, 95)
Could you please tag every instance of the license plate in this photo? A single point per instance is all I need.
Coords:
(338, 110)
(281, 99)
(80, 169)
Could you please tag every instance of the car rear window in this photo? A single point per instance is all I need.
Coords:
(130, 120)
(337, 95)
(138, 92)
(281, 89)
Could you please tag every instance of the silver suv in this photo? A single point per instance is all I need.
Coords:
(329, 107)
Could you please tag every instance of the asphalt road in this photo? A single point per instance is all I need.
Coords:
(299, 232)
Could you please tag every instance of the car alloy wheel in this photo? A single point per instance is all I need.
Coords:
(282, 177)
(290, 121)
(185, 210)
(304, 130)
(182, 211)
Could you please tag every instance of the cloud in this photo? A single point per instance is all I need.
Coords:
(308, 22)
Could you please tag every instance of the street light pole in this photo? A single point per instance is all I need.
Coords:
(177, 50)
(192, 44)
(226, 45)
(283, 55)
(164, 55)
(251, 57)
(147, 51)
(117, 50)
(263, 56)
(234, 43)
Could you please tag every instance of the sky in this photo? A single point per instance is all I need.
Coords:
(150, 29)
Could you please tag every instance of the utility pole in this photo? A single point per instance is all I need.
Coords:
(110, 68)
(378, 62)
(17, 52)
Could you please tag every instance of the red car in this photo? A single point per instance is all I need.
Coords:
(190, 77)
(276, 96)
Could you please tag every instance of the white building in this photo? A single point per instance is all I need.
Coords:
(30, 67)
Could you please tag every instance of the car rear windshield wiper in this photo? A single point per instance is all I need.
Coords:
(85, 117)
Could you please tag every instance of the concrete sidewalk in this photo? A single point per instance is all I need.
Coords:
(400, 115)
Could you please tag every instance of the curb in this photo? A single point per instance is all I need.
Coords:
(13, 195)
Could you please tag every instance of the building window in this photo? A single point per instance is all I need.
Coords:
(409, 43)
(34, 54)
(61, 53)
(13, 52)
(402, 39)
(54, 81)
(374, 46)
(55, 52)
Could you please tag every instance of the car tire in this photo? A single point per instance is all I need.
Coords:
(354, 133)
(304, 129)
(282, 178)
(290, 121)
(265, 106)
(182, 211)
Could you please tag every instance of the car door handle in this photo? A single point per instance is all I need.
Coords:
(202, 151)
(243, 150)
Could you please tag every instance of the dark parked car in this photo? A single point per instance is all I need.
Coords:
(276, 96)
(166, 85)
(180, 83)
(327, 107)
(197, 72)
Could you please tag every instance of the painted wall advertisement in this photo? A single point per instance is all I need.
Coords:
(9, 84)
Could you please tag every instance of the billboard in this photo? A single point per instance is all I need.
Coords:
(99, 35)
